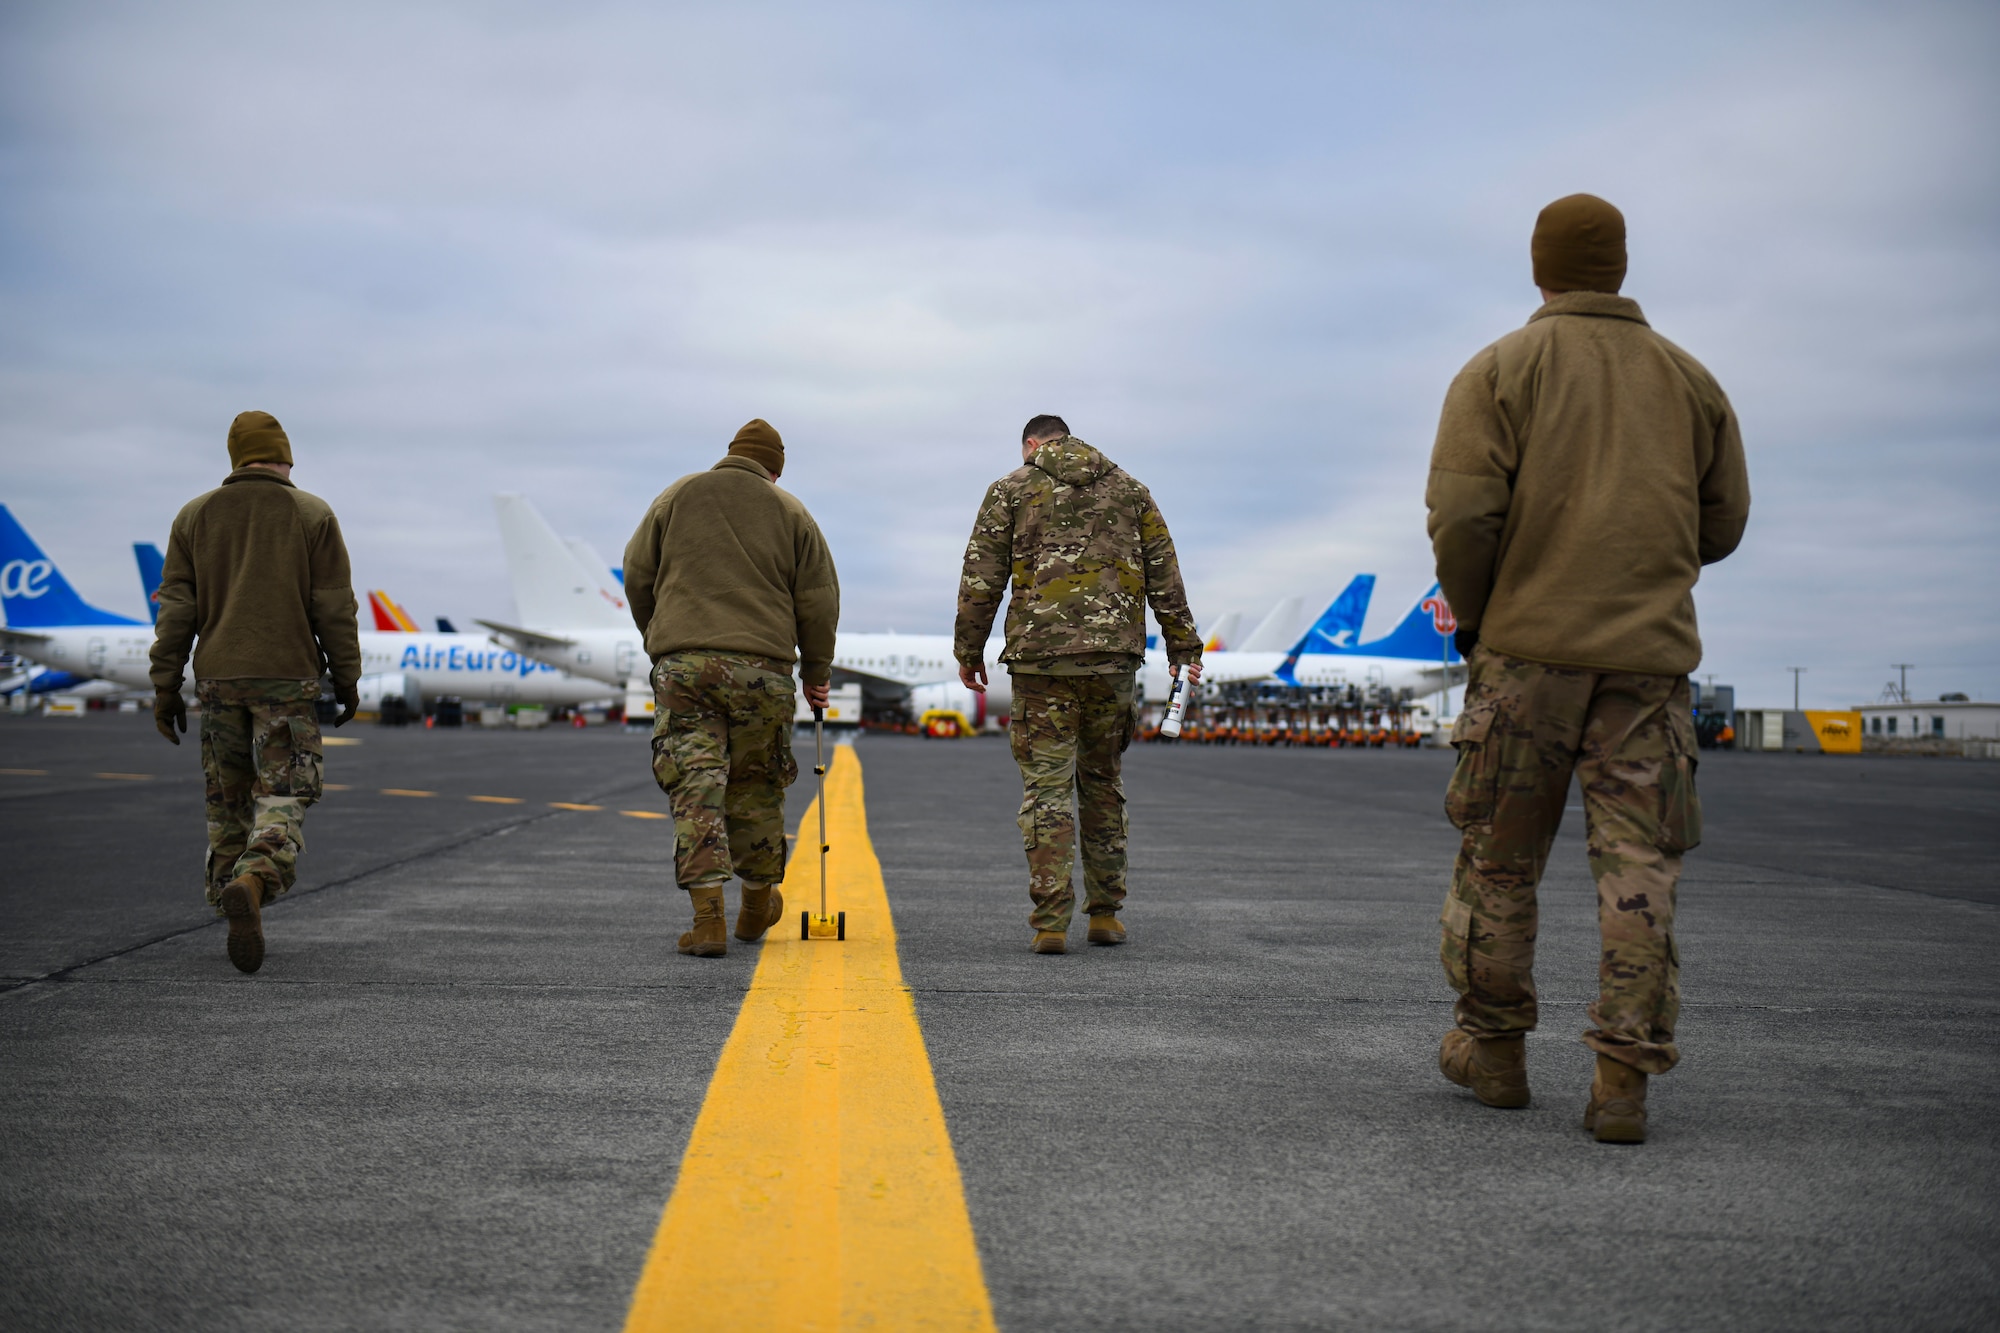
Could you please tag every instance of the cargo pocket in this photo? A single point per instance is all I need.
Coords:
(784, 767)
(1680, 805)
(306, 770)
(1471, 794)
(666, 772)
(1455, 942)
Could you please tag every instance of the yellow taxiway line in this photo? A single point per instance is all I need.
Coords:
(819, 1190)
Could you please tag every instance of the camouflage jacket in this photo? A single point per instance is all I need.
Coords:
(1086, 549)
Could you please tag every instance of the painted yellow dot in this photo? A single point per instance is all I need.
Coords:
(338, 740)
(335, 786)
(405, 791)
(568, 805)
(642, 814)
(26, 772)
(126, 777)
(496, 800)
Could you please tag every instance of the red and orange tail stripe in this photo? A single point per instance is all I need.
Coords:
(389, 617)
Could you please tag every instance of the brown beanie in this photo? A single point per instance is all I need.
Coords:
(1579, 246)
(256, 437)
(760, 443)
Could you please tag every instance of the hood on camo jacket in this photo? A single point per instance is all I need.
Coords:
(1086, 549)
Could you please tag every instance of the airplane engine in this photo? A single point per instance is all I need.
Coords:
(950, 696)
(389, 685)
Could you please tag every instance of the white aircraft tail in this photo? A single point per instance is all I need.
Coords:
(1221, 635)
(552, 588)
(1277, 632)
(598, 568)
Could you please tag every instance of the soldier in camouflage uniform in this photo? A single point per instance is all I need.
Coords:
(256, 582)
(731, 583)
(1086, 550)
(1585, 470)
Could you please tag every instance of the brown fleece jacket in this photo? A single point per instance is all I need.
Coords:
(725, 561)
(256, 581)
(1585, 470)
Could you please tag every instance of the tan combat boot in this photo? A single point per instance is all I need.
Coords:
(1496, 1069)
(762, 906)
(1617, 1110)
(1107, 929)
(708, 939)
(1050, 941)
(243, 904)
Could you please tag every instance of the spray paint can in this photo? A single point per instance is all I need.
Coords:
(1170, 726)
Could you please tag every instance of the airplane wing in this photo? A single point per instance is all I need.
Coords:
(527, 636)
(10, 637)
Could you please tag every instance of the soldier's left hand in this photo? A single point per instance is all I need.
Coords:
(973, 677)
(170, 713)
(349, 699)
(1193, 670)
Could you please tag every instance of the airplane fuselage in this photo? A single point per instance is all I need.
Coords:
(618, 657)
(462, 666)
(1313, 670)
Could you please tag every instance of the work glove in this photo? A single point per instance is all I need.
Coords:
(1465, 640)
(170, 713)
(349, 699)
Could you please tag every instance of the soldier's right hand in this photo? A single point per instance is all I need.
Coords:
(349, 699)
(170, 713)
(973, 677)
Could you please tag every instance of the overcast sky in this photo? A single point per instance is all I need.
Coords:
(568, 249)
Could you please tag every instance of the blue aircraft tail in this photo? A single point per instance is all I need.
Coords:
(33, 591)
(1337, 628)
(152, 567)
(1424, 636)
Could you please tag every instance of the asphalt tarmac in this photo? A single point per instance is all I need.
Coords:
(456, 1094)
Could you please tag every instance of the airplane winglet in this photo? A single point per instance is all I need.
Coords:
(152, 568)
(390, 618)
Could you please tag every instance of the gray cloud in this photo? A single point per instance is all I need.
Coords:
(464, 249)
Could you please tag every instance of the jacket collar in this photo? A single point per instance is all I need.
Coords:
(742, 464)
(251, 472)
(1603, 305)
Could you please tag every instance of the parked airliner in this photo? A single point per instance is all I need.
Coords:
(47, 622)
(574, 615)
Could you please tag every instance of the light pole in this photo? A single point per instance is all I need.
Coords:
(1796, 673)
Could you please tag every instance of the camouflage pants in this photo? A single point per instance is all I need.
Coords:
(1069, 735)
(1629, 739)
(261, 768)
(722, 752)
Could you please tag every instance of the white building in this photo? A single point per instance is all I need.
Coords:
(1934, 720)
